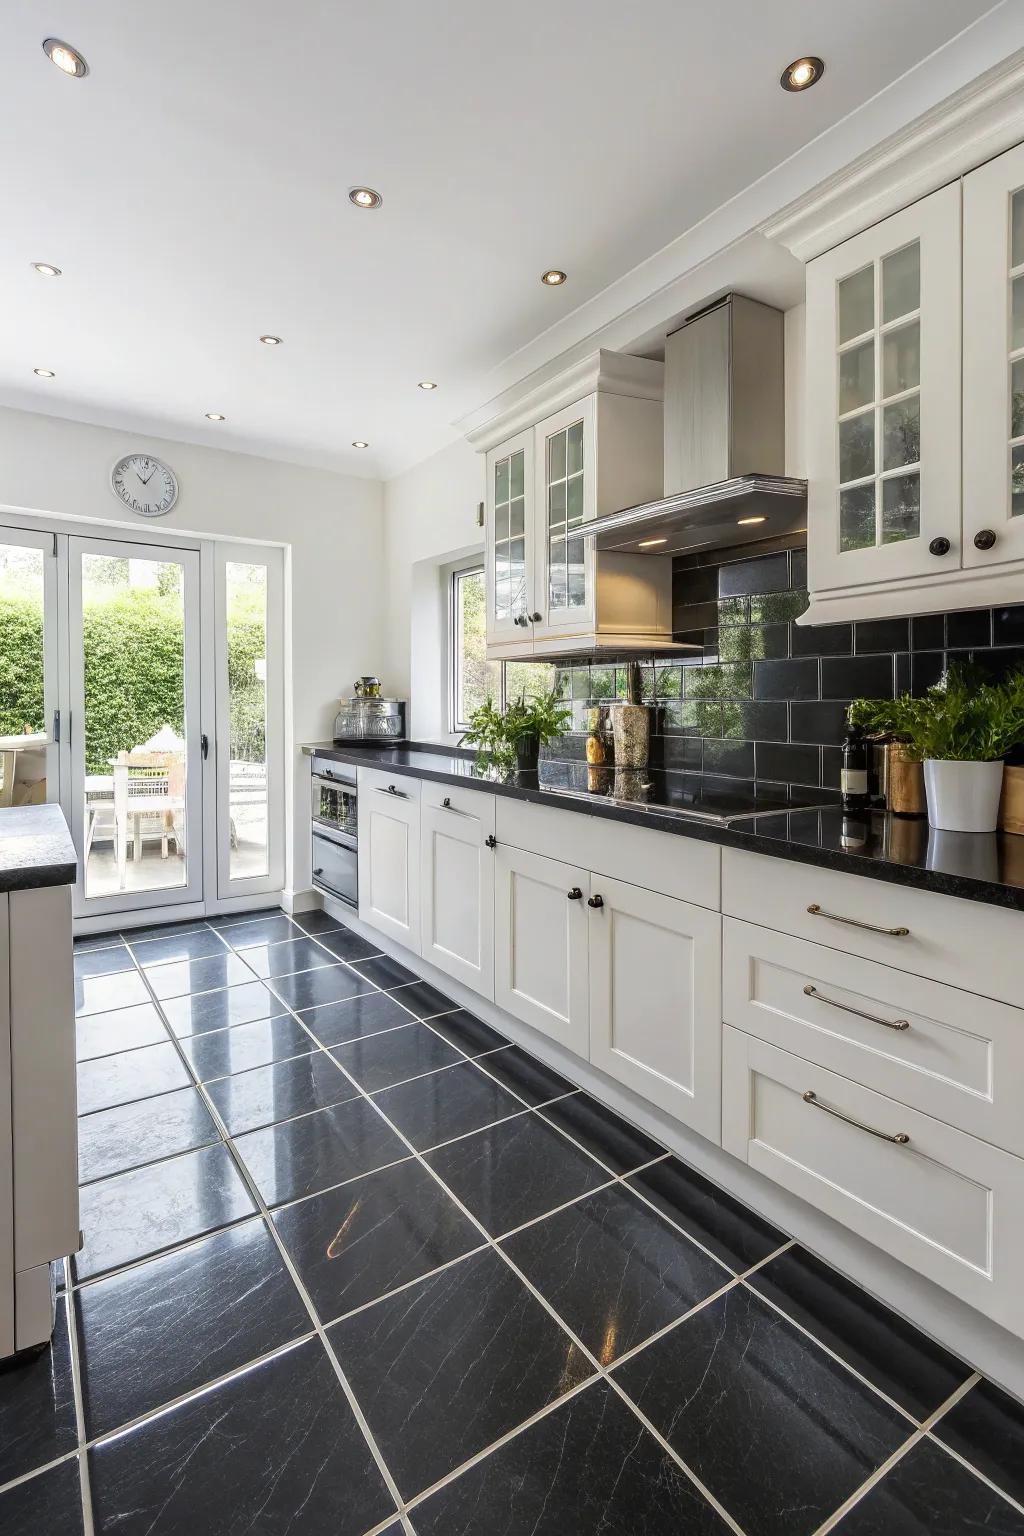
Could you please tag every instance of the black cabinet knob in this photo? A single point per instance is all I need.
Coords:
(984, 538)
(491, 841)
(939, 547)
(575, 894)
(446, 802)
(318, 871)
(595, 901)
(535, 618)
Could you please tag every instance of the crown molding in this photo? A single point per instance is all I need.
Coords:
(978, 121)
(523, 404)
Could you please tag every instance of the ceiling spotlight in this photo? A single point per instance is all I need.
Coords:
(801, 74)
(215, 416)
(360, 444)
(66, 58)
(364, 197)
(426, 384)
(45, 269)
(650, 543)
(271, 341)
(552, 278)
(743, 522)
(44, 373)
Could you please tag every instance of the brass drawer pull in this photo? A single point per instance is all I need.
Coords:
(900, 1139)
(875, 1018)
(855, 922)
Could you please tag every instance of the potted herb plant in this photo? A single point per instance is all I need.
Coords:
(516, 737)
(961, 730)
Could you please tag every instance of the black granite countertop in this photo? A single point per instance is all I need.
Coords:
(35, 848)
(977, 866)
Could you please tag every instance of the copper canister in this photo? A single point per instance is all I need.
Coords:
(906, 782)
(1011, 806)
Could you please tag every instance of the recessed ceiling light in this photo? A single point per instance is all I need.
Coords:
(427, 384)
(743, 521)
(364, 197)
(66, 58)
(44, 373)
(801, 74)
(215, 416)
(271, 341)
(360, 444)
(45, 269)
(552, 278)
(650, 543)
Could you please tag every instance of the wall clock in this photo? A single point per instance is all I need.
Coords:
(144, 484)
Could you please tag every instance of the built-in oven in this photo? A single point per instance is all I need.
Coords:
(335, 824)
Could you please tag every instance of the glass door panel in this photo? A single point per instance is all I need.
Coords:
(509, 541)
(28, 668)
(135, 795)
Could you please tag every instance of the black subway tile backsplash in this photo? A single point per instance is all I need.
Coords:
(763, 699)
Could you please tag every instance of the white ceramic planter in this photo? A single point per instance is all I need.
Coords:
(963, 797)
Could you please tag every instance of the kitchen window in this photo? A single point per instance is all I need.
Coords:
(472, 678)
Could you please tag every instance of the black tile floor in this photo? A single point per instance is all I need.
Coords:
(353, 1264)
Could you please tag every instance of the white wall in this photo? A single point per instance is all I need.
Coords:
(430, 517)
(332, 523)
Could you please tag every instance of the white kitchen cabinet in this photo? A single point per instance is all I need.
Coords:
(655, 999)
(457, 874)
(540, 944)
(993, 444)
(589, 443)
(883, 400)
(389, 855)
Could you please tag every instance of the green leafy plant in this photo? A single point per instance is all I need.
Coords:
(486, 732)
(497, 736)
(964, 718)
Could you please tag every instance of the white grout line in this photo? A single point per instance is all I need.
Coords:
(150, 1162)
(46, 1466)
(936, 1438)
(76, 1382)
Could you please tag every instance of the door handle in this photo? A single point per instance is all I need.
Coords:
(490, 841)
(595, 901)
(854, 922)
(56, 727)
(319, 871)
(874, 1018)
(575, 894)
(391, 790)
(204, 743)
(898, 1138)
(535, 618)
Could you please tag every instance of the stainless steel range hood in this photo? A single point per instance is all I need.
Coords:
(725, 481)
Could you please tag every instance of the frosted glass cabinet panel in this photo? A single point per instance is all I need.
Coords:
(883, 323)
(994, 361)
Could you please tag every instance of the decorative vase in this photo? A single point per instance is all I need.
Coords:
(631, 731)
(963, 797)
(527, 754)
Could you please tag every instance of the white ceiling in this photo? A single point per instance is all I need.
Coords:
(193, 190)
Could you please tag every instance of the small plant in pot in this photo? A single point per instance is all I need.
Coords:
(514, 739)
(961, 730)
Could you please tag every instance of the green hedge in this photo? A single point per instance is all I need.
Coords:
(133, 672)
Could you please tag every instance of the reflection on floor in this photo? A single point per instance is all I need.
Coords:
(353, 1263)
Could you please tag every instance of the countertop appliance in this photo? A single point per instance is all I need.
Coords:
(335, 828)
(369, 720)
(725, 419)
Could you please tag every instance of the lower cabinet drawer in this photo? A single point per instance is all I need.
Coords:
(948, 1053)
(945, 1203)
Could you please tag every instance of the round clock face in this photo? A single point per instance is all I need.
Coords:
(144, 484)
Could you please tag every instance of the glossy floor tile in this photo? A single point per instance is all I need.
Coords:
(107, 1081)
(470, 1034)
(180, 977)
(309, 989)
(368, 1014)
(275, 1449)
(193, 944)
(103, 1034)
(986, 1427)
(281, 959)
(320, 922)
(775, 1429)
(223, 1052)
(101, 962)
(425, 1001)
(161, 1329)
(114, 1140)
(50, 1502)
(529, 1079)
(734, 1233)
(101, 994)
(354, 1244)
(619, 1146)
(343, 944)
(446, 1367)
(565, 1475)
(264, 1095)
(891, 1353)
(446, 1104)
(331, 1146)
(385, 972)
(928, 1493)
(272, 929)
(135, 1214)
(613, 1270)
(515, 1171)
(378, 1061)
(220, 1009)
(37, 1405)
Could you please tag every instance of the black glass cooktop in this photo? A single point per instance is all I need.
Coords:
(685, 794)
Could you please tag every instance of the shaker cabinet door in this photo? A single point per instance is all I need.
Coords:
(457, 872)
(883, 400)
(540, 944)
(994, 361)
(389, 856)
(655, 1000)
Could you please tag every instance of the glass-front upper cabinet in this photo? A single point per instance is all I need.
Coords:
(509, 541)
(566, 499)
(883, 392)
(993, 443)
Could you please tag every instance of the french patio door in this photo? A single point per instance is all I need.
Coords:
(132, 733)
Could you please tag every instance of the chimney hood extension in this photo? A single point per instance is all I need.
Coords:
(725, 420)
